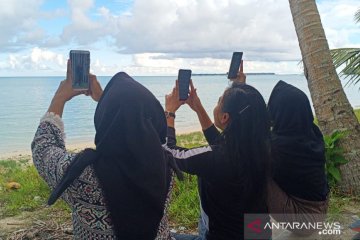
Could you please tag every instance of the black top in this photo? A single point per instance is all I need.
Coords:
(298, 150)
(221, 192)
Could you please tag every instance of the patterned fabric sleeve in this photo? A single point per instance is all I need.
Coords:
(48, 150)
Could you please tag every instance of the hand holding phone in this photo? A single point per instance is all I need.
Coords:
(95, 91)
(184, 77)
(194, 101)
(172, 102)
(80, 67)
(241, 77)
(235, 64)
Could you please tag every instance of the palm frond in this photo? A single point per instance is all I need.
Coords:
(349, 58)
(357, 16)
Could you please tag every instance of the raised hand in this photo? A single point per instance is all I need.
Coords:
(95, 90)
(172, 102)
(193, 101)
(241, 77)
(65, 91)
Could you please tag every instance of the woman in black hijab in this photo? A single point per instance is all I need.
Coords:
(298, 154)
(120, 190)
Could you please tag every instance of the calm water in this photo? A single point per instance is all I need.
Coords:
(24, 100)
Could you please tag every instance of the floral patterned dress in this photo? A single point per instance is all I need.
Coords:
(91, 220)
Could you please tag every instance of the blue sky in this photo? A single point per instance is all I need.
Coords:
(157, 37)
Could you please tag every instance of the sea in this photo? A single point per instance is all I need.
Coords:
(24, 100)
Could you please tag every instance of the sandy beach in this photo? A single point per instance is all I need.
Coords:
(75, 146)
(21, 154)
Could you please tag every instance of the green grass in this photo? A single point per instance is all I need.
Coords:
(341, 206)
(32, 194)
(184, 208)
(357, 113)
(191, 140)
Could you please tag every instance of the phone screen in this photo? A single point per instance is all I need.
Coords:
(184, 82)
(235, 65)
(80, 66)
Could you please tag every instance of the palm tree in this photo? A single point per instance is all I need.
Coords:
(331, 105)
(350, 57)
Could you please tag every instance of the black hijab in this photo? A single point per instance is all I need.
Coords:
(298, 149)
(129, 161)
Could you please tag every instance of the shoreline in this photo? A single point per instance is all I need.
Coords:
(17, 154)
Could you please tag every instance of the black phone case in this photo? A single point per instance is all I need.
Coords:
(80, 65)
(235, 64)
(184, 82)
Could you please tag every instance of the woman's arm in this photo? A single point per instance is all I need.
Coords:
(65, 92)
(195, 104)
(172, 104)
(210, 131)
(197, 161)
(48, 147)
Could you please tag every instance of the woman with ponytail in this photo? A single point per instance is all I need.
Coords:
(121, 189)
(233, 170)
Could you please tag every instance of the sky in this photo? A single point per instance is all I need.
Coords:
(157, 37)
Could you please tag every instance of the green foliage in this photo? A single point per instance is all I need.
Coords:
(357, 16)
(334, 157)
(32, 194)
(350, 58)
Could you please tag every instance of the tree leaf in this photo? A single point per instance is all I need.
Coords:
(335, 173)
(340, 160)
(350, 57)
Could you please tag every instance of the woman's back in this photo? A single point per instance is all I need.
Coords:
(120, 188)
(232, 171)
(298, 150)
(91, 219)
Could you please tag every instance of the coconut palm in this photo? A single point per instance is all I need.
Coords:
(331, 105)
(350, 58)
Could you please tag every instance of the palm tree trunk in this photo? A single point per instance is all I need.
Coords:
(331, 105)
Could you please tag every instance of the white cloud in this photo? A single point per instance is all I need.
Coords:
(191, 28)
(17, 22)
(263, 29)
(39, 56)
(40, 61)
(163, 36)
(338, 21)
(19, 25)
(37, 60)
(82, 29)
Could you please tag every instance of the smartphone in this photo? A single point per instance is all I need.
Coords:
(184, 82)
(235, 65)
(80, 66)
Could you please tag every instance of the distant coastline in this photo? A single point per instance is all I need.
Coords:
(225, 74)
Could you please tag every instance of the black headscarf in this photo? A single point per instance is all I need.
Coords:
(129, 161)
(298, 150)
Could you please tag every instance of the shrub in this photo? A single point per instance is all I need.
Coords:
(334, 157)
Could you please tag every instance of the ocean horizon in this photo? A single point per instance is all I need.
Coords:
(24, 100)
